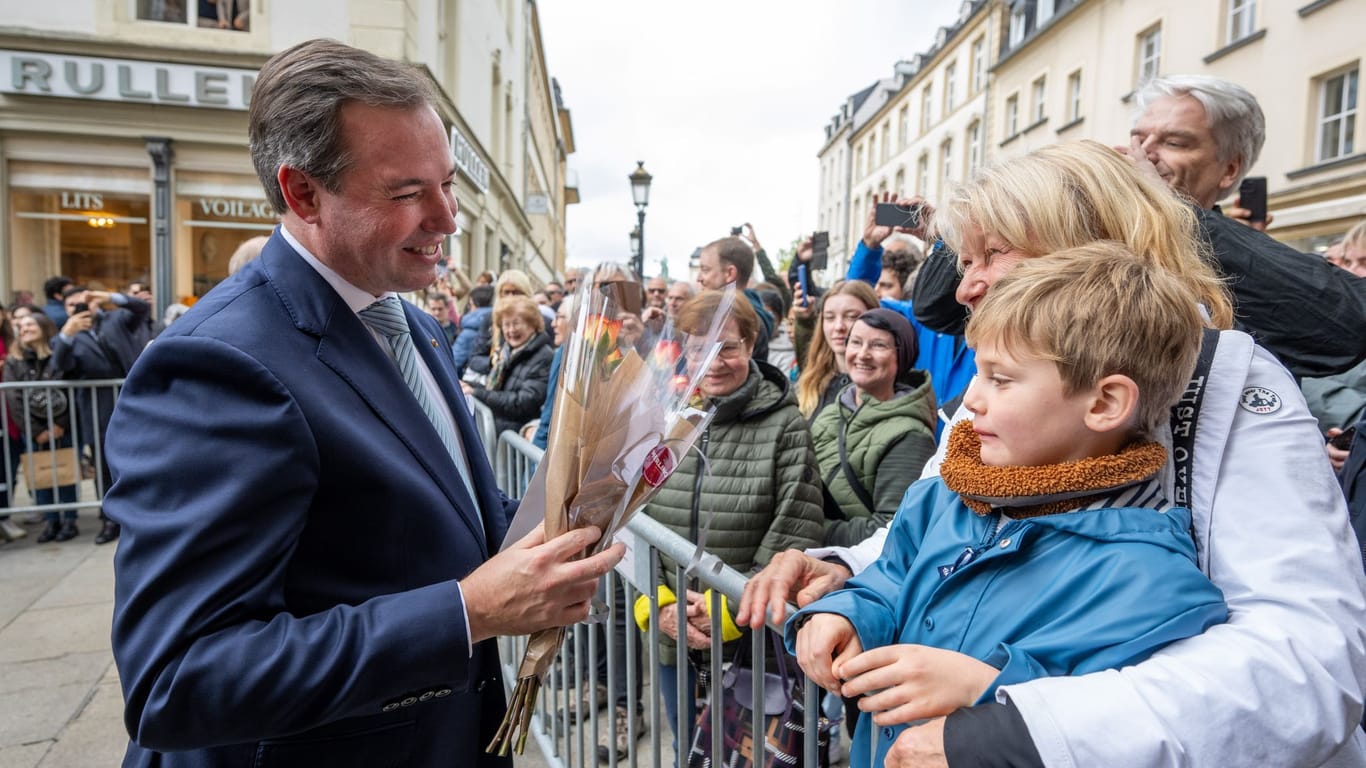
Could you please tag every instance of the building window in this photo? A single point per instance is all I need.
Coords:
(979, 64)
(1038, 89)
(900, 188)
(1149, 54)
(1012, 116)
(925, 108)
(1337, 115)
(99, 237)
(946, 164)
(922, 176)
(950, 82)
(974, 146)
(222, 14)
(1043, 11)
(1074, 97)
(886, 140)
(1017, 25)
(858, 162)
(903, 127)
(1242, 16)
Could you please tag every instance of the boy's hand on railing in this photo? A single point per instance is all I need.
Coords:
(825, 642)
(904, 683)
(791, 575)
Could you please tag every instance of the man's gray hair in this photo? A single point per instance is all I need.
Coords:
(1235, 117)
(295, 116)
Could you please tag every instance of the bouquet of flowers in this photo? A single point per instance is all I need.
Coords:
(622, 420)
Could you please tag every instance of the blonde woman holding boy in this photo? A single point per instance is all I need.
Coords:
(1047, 546)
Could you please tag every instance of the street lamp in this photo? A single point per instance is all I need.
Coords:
(640, 193)
(635, 244)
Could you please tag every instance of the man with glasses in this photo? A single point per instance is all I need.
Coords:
(555, 292)
(655, 291)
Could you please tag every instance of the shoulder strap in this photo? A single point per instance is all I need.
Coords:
(854, 484)
(1184, 415)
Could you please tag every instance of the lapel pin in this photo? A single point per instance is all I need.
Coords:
(434, 344)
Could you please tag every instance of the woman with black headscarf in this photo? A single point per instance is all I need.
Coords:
(873, 444)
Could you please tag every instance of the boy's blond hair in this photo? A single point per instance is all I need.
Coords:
(1095, 311)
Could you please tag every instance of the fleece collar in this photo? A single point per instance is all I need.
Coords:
(1045, 490)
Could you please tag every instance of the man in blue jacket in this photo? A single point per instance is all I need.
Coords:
(307, 572)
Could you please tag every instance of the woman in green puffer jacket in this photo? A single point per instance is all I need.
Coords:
(873, 441)
(762, 494)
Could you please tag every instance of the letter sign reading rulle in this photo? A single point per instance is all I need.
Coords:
(127, 80)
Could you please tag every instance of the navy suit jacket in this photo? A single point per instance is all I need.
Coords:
(293, 532)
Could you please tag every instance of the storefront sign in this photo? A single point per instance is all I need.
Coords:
(231, 207)
(85, 201)
(144, 82)
(468, 161)
(537, 205)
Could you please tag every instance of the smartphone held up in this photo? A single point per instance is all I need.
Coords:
(893, 215)
(1252, 196)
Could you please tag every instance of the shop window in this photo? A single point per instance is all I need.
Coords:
(98, 239)
(213, 14)
(215, 227)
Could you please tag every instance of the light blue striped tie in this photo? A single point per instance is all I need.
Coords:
(385, 317)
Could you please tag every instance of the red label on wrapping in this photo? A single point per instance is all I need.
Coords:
(659, 464)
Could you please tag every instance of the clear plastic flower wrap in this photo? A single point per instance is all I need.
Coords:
(627, 408)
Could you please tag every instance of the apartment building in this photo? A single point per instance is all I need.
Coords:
(123, 147)
(1068, 69)
(918, 132)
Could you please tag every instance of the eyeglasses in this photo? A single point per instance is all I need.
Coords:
(875, 346)
(729, 350)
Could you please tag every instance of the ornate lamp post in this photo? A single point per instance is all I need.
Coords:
(635, 247)
(640, 193)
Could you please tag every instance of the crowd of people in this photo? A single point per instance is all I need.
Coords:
(80, 333)
(1079, 448)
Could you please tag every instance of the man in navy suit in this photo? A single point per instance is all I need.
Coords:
(307, 572)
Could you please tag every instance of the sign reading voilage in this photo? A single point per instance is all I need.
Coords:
(124, 80)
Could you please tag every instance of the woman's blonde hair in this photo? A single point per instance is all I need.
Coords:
(1355, 237)
(820, 365)
(1067, 195)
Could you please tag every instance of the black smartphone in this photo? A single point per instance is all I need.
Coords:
(79, 307)
(1252, 196)
(1343, 440)
(805, 283)
(893, 215)
(820, 249)
(736, 231)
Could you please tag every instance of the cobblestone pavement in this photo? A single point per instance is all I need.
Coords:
(59, 689)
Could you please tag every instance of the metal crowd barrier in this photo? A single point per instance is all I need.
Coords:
(483, 422)
(568, 739)
(72, 466)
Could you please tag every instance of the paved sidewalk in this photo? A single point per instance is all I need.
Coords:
(59, 689)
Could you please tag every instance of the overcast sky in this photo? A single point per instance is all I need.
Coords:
(726, 102)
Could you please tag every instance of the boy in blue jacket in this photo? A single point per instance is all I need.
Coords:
(1046, 546)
